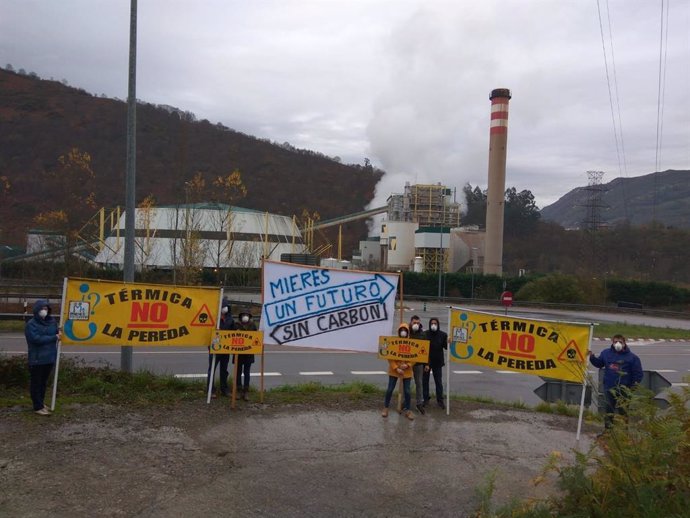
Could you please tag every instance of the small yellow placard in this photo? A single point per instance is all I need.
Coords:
(238, 342)
(407, 349)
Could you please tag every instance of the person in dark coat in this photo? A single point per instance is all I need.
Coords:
(417, 333)
(438, 342)
(226, 323)
(244, 361)
(42, 334)
(622, 372)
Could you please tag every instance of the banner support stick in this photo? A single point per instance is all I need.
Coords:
(233, 403)
(211, 379)
(584, 389)
(261, 384)
(448, 364)
(59, 345)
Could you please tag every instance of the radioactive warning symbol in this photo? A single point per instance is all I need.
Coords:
(203, 318)
(571, 353)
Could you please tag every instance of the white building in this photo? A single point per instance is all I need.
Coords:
(211, 235)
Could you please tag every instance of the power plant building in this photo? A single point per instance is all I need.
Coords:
(208, 235)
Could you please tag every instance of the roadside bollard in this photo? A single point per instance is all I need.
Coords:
(424, 306)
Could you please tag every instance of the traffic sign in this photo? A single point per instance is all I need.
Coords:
(651, 380)
(507, 298)
(567, 391)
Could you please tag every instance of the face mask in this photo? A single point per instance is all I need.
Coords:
(434, 327)
(415, 327)
(224, 310)
(245, 319)
(618, 346)
(43, 313)
(403, 334)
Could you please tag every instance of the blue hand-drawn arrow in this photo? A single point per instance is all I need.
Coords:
(328, 298)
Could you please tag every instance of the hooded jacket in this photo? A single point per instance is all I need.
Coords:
(620, 368)
(225, 322)
(41, 336)
(438, 341)
(241, 326)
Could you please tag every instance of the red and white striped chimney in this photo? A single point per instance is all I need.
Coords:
(495, 197)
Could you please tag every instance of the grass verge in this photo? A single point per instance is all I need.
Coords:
(608, 329)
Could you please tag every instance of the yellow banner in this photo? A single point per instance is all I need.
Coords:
(116, 313)
(238, 342)
(406, 349)
(543, 348)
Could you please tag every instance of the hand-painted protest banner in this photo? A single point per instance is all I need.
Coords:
(99, 312)
(407, 349)
(543, 348)
(332, 309)
(238, 342)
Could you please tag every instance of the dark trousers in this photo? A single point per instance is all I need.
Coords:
(437, 371)
(38, 375)
(616, 401)
(392, 381)
(222, 366)
(244, 367)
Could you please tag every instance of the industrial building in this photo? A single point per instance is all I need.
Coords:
(209, 235)
(421, 231)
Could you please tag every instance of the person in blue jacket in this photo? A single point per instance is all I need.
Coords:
(42, 334)
(226, 323)
(622, 372)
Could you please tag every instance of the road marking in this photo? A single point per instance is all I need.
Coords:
(468, 372)
(680, 384)
(366, 373)
(316, 373)
(666, 370)
(192, 376)
(508, 372)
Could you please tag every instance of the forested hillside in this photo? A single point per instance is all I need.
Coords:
(61, 145)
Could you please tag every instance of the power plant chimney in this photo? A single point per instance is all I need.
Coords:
(495, 198)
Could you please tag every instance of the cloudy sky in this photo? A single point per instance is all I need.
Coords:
(404, 83)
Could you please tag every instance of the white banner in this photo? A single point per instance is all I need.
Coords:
(326, 308)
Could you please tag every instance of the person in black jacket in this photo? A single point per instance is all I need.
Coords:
(42, 334)
(438, 341)
(226, 323)
(244, 361)
(417, 333)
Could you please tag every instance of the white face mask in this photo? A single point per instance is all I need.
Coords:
(434, 327)
(618, 346)
(415, 327)
(224, 310)
(403, 334)
(245, 319)
(43, 313)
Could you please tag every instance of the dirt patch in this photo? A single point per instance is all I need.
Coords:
(340, 458)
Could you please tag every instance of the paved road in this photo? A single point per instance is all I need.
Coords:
(290, 365)
(293, 366)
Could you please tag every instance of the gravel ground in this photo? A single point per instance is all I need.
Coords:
(338, 458)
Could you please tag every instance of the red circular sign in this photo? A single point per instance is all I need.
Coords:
(507, 298)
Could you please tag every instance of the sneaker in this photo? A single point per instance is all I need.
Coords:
(409, 415)
(426, 402)
(43, 411)
(420, 407)
(214, 395)
(442, 404)
(47, 409)
(384, 412)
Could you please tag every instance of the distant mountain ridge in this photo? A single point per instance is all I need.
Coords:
(41, 120)
(664, 196)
